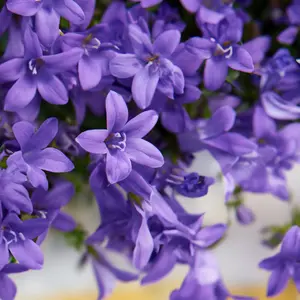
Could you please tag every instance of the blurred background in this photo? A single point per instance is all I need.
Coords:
(238, 255)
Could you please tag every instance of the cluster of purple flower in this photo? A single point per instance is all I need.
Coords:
(165, 93)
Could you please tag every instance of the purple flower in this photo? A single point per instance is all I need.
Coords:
(219, 47)
(35, 72)
(122, 141)
(17, 238)
(285, 264)
(94, 45)
(148, 3)
(47, 15)
(211, 11)
(34, 158)
(213, 135)
(47, 205)
(13, 195)
(244, 215)
(109, 265)
(204, 281)
(151, 65)
(289, 35)
(8, 289)
(280, 73)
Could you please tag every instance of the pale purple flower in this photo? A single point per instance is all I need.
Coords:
(122, 141)
(34, 157)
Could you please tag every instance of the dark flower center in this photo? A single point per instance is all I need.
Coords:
(225, 49)
(34, 65)
(116, 141)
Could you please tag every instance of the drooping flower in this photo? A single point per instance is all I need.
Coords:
(122, 141)
(35, 157)
(285, 264)
(204, 281)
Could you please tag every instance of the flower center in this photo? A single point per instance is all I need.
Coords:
(34, 65)
(223, 50)
(153, 58)
(116, 141)
(91, 42)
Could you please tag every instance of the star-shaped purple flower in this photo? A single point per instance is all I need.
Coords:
(34, 157)
(122, 141)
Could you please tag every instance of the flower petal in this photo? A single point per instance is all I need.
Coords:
(52, 89)
(47, 25)
(37, 178)
(21, 93)
(24, 8)
(125, 65)
(144, 153)
(118, 166)
(166, 43)
(288, 35)
(11, 70)
(23, 132)
(53, 160)
(143, 246)
(64, 61)
(144, 85)
(27, 253)
(93, 140)
(8, 289)
(278, 281)
(241, 60)
(44, 135)
(214, 80)
(69, 10)
(116, 112)
(89, 72)
(142, 124)
(4, 255)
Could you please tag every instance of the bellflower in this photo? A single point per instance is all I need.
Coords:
(34, 157)
(47, 205)
(285, 264)
(213, 135)
(279, 86)
(106, 271)
(219, 47)
(211, 11)
(35, 72)
(17, 238)
(122, 141)
(13, 195)
(289, 35)
(47, 15)
(150, 65)
(94, 45)
(8, 289)
(204, 281)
